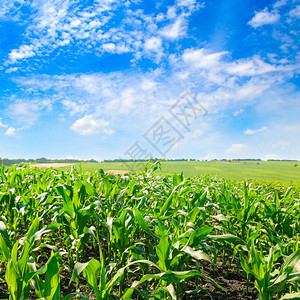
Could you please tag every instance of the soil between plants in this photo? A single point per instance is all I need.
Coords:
(229, 278)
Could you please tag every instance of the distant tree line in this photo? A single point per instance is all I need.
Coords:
(145, 160)
(282, 160)
(18, 161)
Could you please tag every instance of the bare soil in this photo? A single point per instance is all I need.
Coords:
(121, 172)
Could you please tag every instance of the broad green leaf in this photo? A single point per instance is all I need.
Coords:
(162, 251)
(230, 238)
(294, 296)
(140, 219)
(4, 248)
(67, 202)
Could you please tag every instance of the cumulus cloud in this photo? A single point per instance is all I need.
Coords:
(175, 30)
(88, 125)
(264, 17)
(153, 44)
(11, 131)
(24, 51)
(254, 131)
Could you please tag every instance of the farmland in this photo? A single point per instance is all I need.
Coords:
(80, 233)
(260, 170)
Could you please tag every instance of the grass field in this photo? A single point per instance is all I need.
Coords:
(94, 236)
(259, 170)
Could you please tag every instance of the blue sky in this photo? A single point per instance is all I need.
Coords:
(91, 79)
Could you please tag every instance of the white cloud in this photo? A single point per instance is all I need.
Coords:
(148, 84)
(264, 17)
(24, 51)
(153, 44)
(235, 148)
(26, 113)
(186, 2)
(109, 47)
(238, 112)
(73, 107)
(10, 9)
(201, 58)
(279, 3)
(213, 62)
(11, 131)
(11, 70)
(88, 83)
(61, 23)
(175, 30)
(89, 126)
(153, 48)
(254, 131)
(295, 12)
(249, 67)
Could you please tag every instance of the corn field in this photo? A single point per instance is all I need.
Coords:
(88, 235)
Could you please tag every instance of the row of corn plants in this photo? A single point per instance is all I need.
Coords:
(142, 236)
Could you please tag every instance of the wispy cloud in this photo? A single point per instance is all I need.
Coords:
(26, 113)
(264, 17)
(97, 26)
(74, 108)
(295, 12)
(254, 131)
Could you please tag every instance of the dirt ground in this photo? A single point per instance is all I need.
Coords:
(121, 172)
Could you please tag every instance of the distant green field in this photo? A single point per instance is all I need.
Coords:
(259, 170)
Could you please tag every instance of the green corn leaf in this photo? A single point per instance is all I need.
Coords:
(172, 276)
(290, 268)
(293, 296)
(52, 281)
(33, 228)
(162, 250)
(230, 238)
(197, 254)
(67, 202)
(78, 268)
(4, 248)
(13, 282)
(3, 231)
(91, 272)
(140, 219)
(168, 202)
(170, 289)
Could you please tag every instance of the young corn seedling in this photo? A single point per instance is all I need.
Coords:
(269, 281)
